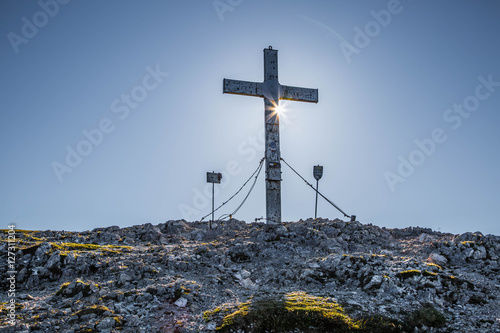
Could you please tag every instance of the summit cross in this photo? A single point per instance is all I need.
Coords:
(272, 92)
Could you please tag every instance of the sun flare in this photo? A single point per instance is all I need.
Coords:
(281, 109)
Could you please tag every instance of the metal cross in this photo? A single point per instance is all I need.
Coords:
(272, 92)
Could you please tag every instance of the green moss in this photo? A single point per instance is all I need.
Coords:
(61, 288)
(294, 310)
(210, 314)
(427, 315)
(297, 310)
(74, 246)
(19, 231)
(85, 330)
(5, 310)
(408, 274)
(65, 248)
(380, 324)
(431, 264)
(84, 288)
(97, 309)
(458, 282)
(181, 291)
(427, 273)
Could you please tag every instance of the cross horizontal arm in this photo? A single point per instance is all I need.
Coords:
(242, 88)
(299, 94)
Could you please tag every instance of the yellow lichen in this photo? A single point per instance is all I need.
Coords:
(408, 274)
(294, 310)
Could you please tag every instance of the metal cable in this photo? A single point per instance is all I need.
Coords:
(258, 168)
(249, 191)
(330, 202)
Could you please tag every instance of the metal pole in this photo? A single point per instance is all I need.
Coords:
(213, 184)
(316, 206)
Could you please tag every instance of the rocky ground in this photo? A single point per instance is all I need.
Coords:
(164, 278)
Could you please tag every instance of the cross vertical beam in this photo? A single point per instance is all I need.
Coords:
(272, 92)
(272, 140)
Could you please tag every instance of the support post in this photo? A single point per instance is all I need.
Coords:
(316, 205)
(213, 178)
(317, 173)
(213, 207)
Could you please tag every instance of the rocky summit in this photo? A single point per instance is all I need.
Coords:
(307, 276)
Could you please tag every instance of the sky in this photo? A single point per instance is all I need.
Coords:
(112, 112)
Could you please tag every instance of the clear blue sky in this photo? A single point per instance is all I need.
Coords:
(143, 79)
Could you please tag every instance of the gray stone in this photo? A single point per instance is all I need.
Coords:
(181, 302)
(438, 259)
(54, 262)
(374, 283)
(480, 253)
(106, 324)
(373, 270)
(124, 277)
(247, 284)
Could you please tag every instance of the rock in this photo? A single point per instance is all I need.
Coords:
(133, 321)
(180, 275)
(181, 302)
(198, 235)
(374, 283)
(54, 263)
(438, 259)
(243, 274)
(305, 273)
(106, 324)
(234, 224)
(468, 253)
(40, 253)
(298, 228)
(424, 238)
(174, 227)
(21, 276)
(124, 277)
(247, 284)
(480, 253)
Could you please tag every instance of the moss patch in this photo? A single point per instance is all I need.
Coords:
(300, 312)
(427, 315)
(97, 309)
(408, 274)
(67, 247)
(429, 274)
(61, 288)
(77, 287)
(4, 310)
(294, 311)
(431, 264)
